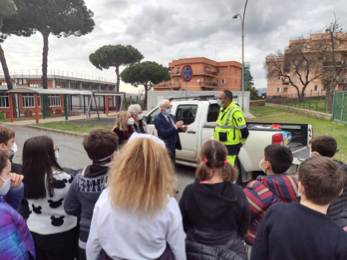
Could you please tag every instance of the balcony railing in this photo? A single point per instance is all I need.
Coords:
(205, 72)
(37, 73)
(168, 85)
(208, 84)
(285, 81)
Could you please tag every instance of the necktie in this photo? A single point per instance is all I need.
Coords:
(170, 122)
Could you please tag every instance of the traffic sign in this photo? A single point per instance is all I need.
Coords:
(187, 73)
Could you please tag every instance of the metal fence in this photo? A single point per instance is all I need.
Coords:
(340, 107)
(314, 101)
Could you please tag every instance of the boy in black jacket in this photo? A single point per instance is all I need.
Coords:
(303, 230)
(101, 146)
(326, 146)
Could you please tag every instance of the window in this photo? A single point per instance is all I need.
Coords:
(25, 81)
(110, 88)
(29, 100)
(152, 116)
(235, 81)
(104, 88)
(95, 87)
(3, 84)
(35, 85)
(222, 71)
(176, 80)
(75, 85)
(4, 100)
(217, 81)
(20, 81)
(61, 84)
(186, 113)
(278, 90)
(279, 78)
(224, 81)
(213, 112)
(323, 89)
(178, 71)
(285, 90)
(54, 100)
(315, 88)
(203, 80)
(85, 86)
(217, 71)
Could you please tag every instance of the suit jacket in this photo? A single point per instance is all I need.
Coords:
(168, 133)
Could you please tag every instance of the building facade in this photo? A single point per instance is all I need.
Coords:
(207, 75)
(280, 85)
(56, 79)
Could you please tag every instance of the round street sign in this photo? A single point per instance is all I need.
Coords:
(187, 73)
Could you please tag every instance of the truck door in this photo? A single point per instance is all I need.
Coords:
(150, 122)
(189, 139)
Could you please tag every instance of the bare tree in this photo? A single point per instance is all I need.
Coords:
(297, 66)
(334, 59)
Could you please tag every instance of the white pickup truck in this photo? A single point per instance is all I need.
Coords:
(200, 115)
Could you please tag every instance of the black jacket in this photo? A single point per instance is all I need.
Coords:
(338, 206)
(215, 218)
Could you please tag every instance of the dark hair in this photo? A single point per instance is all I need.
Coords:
(99, 144)
(38, 164)
(322, 178)
(213, 155)
(324, 145)
(4, 160)
(280, 158)
(228, 94)
(6, 134)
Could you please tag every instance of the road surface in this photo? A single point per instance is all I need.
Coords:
(72, 154)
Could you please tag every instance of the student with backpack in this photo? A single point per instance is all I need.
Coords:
(101, 146)
(215, 211)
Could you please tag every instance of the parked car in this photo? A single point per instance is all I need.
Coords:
(200, 115)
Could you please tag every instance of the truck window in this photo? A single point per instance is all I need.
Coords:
(152, 116)
(186, 113)
(213, 112)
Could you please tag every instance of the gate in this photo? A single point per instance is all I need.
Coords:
(340, 107)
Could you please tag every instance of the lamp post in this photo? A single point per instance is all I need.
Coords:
(242, 18)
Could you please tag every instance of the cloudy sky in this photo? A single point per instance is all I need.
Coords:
(165, 30)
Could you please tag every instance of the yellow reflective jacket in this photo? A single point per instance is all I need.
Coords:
(229, 123)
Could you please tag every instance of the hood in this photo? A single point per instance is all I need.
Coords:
(94, 181)
(210, 201)
(285, 187)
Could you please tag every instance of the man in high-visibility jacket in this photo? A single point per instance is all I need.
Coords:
(231, 129)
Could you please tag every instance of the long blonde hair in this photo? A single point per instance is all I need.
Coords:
(142, 177)
(122, 120)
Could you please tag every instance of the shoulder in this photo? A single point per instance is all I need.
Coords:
(173, 209)
(187, 191)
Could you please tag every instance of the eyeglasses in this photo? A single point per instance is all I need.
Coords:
(56, 149)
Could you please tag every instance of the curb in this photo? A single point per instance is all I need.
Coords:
(56, 131)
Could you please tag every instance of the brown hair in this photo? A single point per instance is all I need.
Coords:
(322, 178)
(6, 134)
(142, 177)
(324, 145)
(99, 144)
(280, 158)
(4, 160)
(122, 120)
(214, 155)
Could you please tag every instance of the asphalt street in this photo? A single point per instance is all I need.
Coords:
(72, 154)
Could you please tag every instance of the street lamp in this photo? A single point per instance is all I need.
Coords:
(242, 18)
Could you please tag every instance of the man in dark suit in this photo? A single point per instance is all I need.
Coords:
(168, 128)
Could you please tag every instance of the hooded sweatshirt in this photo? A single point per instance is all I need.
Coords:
(264, 192)
(83, 194)
(220, 207)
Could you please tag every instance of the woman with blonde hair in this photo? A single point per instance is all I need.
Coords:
(136, 217)
(124, 127)
(215, 211)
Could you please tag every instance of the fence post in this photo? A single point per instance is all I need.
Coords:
(325, 103)
(309, 103)
(304, 99)
(317, 101)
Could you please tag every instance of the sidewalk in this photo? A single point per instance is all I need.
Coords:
(57, 119)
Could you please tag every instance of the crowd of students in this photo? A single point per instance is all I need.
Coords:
(122, 206)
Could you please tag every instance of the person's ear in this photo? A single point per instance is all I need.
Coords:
(268, 165)
(3, 146)
(113, 155)
(301, 188)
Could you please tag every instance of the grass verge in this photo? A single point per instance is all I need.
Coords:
(78, 128)
(320, 126)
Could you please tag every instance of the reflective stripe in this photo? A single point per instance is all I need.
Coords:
(228, 118)
(241, 127)
(225, 126)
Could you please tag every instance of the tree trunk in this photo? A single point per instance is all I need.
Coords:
(8, 80)
(330, 91)
(45, 35)
(146, 98)
(118, 98)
